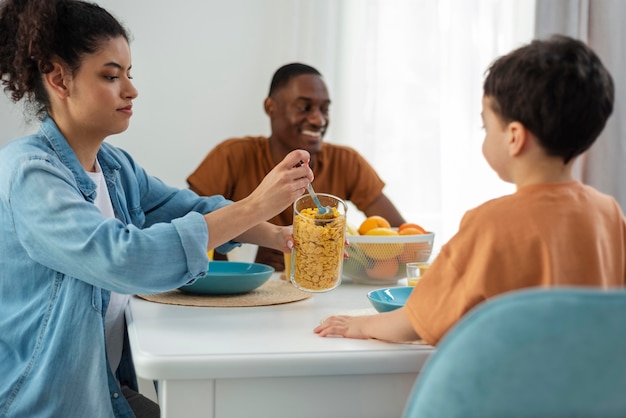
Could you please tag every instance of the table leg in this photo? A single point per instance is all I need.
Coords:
(187, 398)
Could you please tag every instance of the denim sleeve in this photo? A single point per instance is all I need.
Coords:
(159, 202)
(61, 230)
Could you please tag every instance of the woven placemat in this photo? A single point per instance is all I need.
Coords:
(271, 293)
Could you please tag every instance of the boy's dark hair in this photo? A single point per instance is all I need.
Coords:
(287, 72)
(558, 89)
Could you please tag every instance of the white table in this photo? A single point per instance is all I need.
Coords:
(267, 362)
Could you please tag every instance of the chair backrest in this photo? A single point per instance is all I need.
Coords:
(557, 352)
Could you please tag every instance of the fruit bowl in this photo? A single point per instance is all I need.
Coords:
(381, 259)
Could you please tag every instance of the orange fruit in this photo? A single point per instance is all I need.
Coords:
(381, 231)
(383, 269)
(411, 225)
(382, 251)
(371, 222)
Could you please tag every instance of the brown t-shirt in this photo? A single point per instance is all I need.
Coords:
(236, 166)
(559, 234)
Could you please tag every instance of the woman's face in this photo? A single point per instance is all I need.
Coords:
(100, 92)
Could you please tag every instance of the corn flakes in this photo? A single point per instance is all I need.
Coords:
(318, 246)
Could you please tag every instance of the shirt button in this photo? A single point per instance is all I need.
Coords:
(115, 395)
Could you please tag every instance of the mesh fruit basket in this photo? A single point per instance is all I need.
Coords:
(380, 259)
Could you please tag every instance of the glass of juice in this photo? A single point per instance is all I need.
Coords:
(415, 271)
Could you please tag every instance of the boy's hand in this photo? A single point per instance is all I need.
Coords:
(391, 326)
(343, 326)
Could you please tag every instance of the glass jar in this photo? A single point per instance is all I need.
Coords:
(317, 255)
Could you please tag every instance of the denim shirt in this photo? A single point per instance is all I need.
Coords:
(60, 258)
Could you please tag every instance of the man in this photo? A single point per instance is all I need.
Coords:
(297, 106)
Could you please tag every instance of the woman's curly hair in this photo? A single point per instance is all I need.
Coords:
(34, 33)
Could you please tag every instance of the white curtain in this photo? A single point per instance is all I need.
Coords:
(600, 24)
(408, 95)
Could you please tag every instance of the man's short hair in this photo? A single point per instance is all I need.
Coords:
(558, 89)
(287, 72)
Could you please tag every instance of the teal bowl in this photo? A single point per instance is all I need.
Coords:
(229, 278)
(389, 298)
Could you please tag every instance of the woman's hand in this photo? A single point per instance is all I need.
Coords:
(245, 220)
(285, 240)
(283, 185)
(268, 235)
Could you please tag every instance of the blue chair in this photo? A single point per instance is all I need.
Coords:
(557, 352)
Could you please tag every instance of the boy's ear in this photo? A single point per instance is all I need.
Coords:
(56, 80)
(518, 137)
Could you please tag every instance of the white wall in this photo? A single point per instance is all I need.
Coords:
(203, 68)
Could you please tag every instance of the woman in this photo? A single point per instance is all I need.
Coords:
(83, 226)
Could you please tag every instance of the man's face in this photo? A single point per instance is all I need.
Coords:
(299, 114)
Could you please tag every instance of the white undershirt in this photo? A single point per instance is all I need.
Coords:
(114, 318)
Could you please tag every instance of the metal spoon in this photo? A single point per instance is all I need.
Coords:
(321, 210)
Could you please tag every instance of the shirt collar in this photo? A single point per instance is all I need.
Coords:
(68, 158)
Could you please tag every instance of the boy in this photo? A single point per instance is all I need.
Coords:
(544, 104)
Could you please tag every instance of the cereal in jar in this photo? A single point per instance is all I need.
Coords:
(317, 256)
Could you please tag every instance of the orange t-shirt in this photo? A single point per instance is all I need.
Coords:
(554, 234)
(236, 166)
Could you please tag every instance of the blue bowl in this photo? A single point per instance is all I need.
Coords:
(230, 277)
(389, 298)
